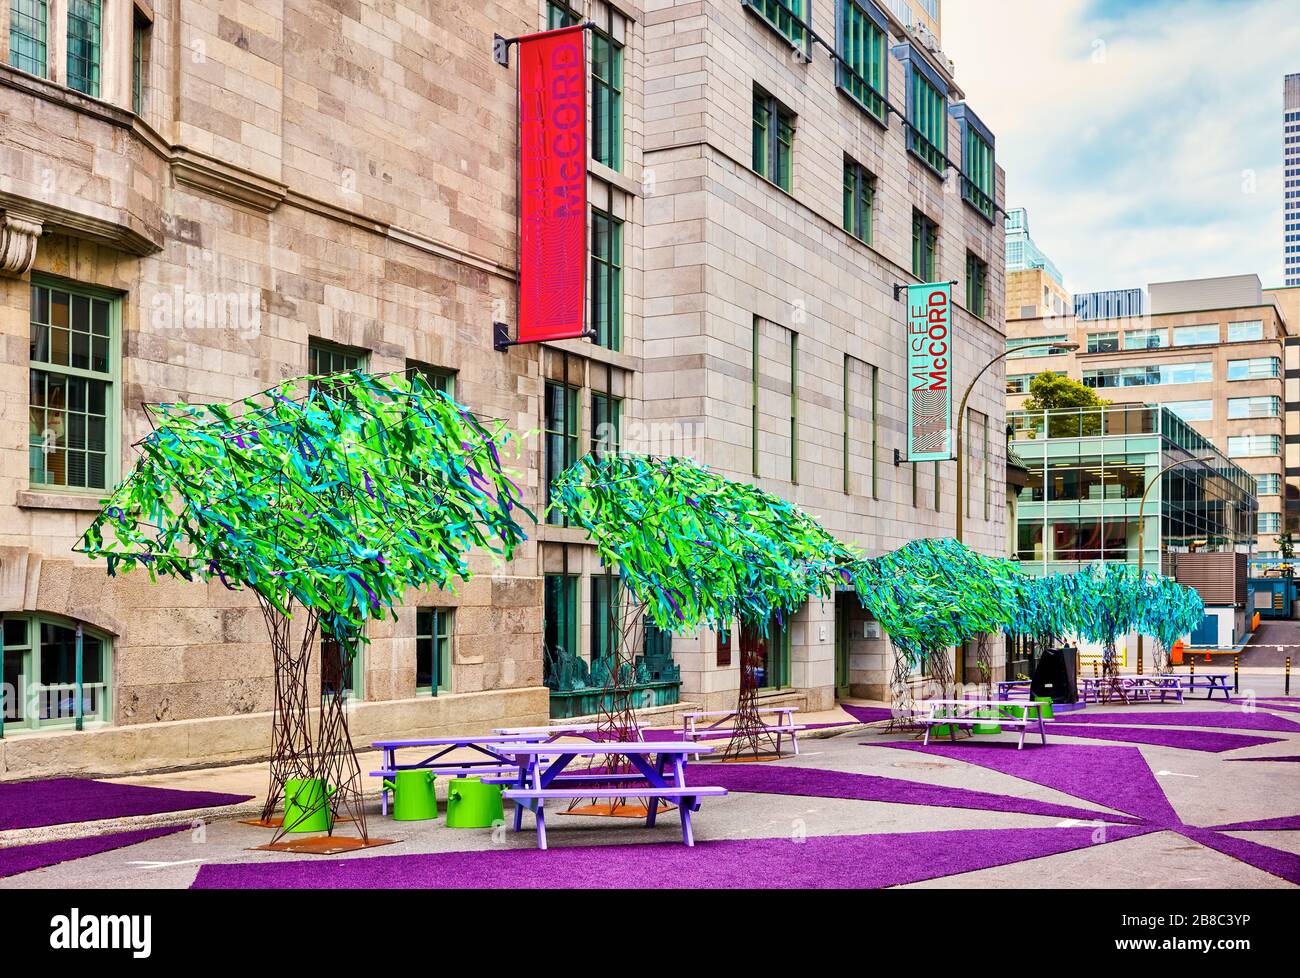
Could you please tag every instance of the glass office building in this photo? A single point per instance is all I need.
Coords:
(1088, 468)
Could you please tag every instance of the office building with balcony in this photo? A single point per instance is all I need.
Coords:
(1088, 469)
(1211, 351)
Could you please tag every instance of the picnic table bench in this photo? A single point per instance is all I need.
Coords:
(550, 732)
(1014, 689)
(1130, 688)
(540, 776)
(488, 762)
(972, 713)
(784, 726)
(1208, 681)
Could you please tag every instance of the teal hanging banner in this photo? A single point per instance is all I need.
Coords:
(929, 372)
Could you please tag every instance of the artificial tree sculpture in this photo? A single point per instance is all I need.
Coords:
(328, 498)
(695, 549)
(1168, 611)
(929, 596)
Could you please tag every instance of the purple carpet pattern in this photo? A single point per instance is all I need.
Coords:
(1286, 822)
(1114, 777)
(1226, 719)
(54, 801)
(815, 783)
(868, 714)
(1292, 759)
(1199, 740)
(818, 862)
(24, 859)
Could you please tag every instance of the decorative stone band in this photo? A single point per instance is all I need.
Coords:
(18, 236)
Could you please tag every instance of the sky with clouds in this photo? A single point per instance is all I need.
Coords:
(1144, 136)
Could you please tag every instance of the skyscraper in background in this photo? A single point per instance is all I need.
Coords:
(1291, 181)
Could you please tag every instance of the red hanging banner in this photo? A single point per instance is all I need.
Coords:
(552, 184)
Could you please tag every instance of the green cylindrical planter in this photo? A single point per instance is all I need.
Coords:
(1047, 706)
(471, 804)
(413, 797)
(306, 805)
(987, 728)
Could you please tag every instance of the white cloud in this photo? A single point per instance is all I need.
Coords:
(1147, 145)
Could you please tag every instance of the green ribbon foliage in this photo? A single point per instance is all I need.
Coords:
(337, 492)
(698, 548)
(934, 594)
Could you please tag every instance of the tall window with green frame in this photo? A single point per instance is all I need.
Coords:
(73, 400)
(925, 240)
(562, 424)
(606, 423)
(560, 15)
(560, 623)
(927, 134)
(606, 86)
(784, 16)
(977, 282)
(141, 36)
(606, 592)
(773, 143)
(28, 35)
(859, 200)
(794, 407)
(754, 364)
(977, 181)
(606, 100)
(433, 631)
(607, 279)
(862, 70)
(85, 18)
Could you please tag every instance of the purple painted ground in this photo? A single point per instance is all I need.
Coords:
(1293, 759)
(54, 801)
(819, 862)
(1200, 740)
(1118, 778)
(816, 783)
(1114, 777)
(23, 859)
(1261, 825)
(1230, 719)
(867, 714)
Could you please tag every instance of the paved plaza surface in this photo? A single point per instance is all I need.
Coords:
(1200, 795)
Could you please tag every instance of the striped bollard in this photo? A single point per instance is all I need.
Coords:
(1236, 673)
(1288, 675)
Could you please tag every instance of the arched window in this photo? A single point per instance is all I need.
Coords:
(40, 688)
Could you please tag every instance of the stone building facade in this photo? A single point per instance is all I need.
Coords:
(771, 319)
(199, 203)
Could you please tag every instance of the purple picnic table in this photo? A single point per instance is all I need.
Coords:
(661, 766)
(490, 760)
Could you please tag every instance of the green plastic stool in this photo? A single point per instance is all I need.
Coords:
(413, 797)
(1047, 706)
(471, 804)
(306, 808)
(987, 728)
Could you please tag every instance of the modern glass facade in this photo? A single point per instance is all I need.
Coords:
(1022, 253)
(1088, 468)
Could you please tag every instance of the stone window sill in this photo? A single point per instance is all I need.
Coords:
(68, 502)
